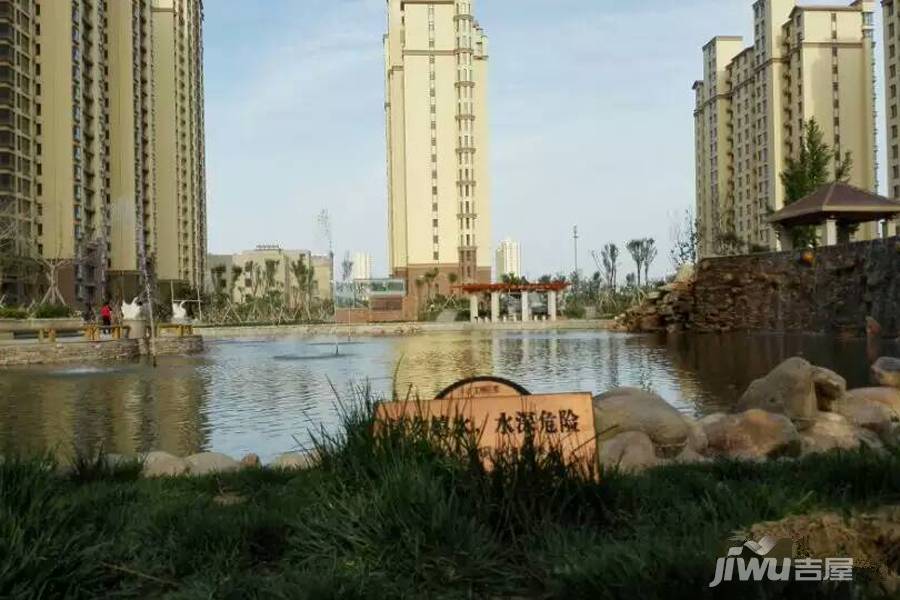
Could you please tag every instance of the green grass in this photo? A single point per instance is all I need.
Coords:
(403, 515)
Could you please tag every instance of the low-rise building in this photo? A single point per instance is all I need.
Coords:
(294, 274)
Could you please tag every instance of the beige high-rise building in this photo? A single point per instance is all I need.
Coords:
(508, 259)
(101, 118)
(180, 174)
(807, 62)
(891, 13)
(436, 61)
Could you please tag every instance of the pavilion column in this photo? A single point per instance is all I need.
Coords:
(551, 305)
(831, 232)
(473, 308)
(785, 241)
(525, 308)
(495, 307)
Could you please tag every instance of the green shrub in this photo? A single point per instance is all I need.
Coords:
(13, 313)
(574, 311)
(52, 311)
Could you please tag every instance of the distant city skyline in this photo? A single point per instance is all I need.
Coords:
(603, 138)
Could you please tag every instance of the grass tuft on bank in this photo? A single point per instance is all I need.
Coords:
(401, 514)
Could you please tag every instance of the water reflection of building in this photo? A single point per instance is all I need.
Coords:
(124, 411)
(432, 362)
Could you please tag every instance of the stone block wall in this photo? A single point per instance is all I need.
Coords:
(33, 353)
(170, 346)
(833, 292)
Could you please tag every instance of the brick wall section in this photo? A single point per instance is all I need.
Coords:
(781, 292)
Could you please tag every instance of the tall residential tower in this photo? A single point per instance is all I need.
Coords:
(90, 120)
(891, 12)
(807, 62)
(436, 58)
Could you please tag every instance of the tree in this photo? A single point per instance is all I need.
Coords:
(11, 241)
(636, 250)
(346, 267)
(648, 255)
(430, 278)
(608, 264)
(217, 273)
(304, 275)
(809, 171)
(236, 272)
(685, 236)
(452, 278)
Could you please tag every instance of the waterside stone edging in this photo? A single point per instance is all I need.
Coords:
(392, 329)
(23, 354)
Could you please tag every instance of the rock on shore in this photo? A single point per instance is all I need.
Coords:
(795, 410)
(163, 464)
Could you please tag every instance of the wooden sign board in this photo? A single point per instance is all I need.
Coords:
(501, 422)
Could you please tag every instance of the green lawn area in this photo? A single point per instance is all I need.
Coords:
(404, 516)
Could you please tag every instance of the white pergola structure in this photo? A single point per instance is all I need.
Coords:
(476, 290)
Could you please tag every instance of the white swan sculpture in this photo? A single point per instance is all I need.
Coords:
(179, 313)
(131, 311)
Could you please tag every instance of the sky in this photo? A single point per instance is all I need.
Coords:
(591, 114)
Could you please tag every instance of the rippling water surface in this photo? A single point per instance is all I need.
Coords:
(265, 396)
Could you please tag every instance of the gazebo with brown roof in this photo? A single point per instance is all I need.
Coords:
(835, 207)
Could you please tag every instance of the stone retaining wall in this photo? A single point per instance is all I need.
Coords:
(34, 353)
(169, 346)
(408, 328)
(833, 292)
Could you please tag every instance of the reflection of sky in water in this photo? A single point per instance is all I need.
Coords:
(265, 396)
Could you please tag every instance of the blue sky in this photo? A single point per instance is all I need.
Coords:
(591, 116)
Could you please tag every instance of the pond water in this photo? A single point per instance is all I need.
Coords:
(265, 396)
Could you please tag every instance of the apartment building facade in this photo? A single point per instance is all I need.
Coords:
(436, 68)
(81, 119)
(891, 20)
(806, 62)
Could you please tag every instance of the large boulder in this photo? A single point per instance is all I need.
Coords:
(294, 460)
(632, 409)
(628, 451)
(886, 396)
(689, 456)
(831, 431)
(788, 389)
(866, 413)
(251, 461)
(206, 463)
(697, 440)
(163, 464)
(829, 386)
(754, 434)
(886, 371)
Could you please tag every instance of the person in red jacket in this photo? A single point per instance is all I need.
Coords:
(106, 317)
